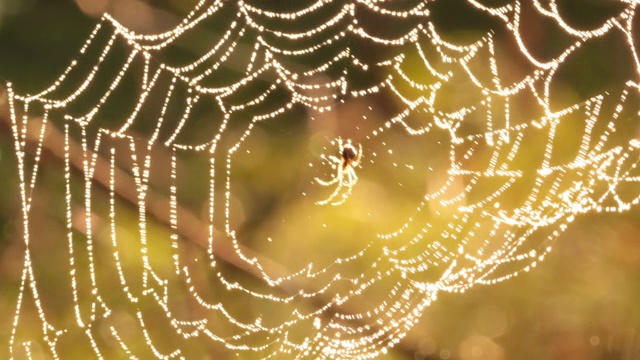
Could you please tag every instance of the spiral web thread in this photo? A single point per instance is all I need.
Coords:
(476, 232)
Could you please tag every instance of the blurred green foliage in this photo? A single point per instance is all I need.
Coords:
(581, 303)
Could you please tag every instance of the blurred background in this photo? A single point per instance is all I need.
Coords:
(580, 303)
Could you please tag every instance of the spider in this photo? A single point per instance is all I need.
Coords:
(346, 175)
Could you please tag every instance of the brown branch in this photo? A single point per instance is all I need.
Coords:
(190, 227)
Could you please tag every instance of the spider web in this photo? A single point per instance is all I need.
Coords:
(478, 111)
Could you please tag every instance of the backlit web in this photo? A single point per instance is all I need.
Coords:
(475, 158)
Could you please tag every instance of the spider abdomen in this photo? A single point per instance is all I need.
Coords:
(349, 154)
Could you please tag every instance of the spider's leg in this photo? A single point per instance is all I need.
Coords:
(341, 201)
(343, 198)
(335, 159)
(345, 195)
(350, 181)
(334, 179)
(327, 183)
(340, 180)
(353, 178)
